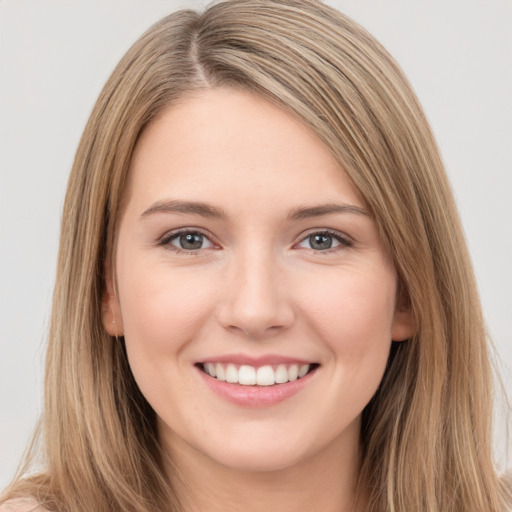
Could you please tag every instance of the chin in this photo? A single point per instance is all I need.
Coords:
(257, 460)
(264, 448)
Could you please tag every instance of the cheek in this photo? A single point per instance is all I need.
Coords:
(356, 304)
(162, 310)
(353, 317)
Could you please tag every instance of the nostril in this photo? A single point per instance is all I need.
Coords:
(256, 332)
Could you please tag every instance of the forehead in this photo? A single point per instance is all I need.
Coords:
(226, 144)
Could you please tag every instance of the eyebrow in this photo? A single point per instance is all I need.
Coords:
(194, 207)
(326, 209)
(207, 210)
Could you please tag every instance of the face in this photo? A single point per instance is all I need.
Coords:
(256, 298)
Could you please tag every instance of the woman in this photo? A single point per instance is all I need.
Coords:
(263, 295)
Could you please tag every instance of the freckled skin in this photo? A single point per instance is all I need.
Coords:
(255, 287)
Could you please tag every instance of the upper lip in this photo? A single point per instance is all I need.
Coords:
(256, 361)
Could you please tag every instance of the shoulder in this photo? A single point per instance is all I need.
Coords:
(22, 505)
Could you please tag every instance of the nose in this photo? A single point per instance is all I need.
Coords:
(255, 301)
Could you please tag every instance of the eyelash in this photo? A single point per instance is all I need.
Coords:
(170, 237)
(344, 241)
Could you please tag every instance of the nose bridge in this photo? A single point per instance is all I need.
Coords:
(255, 301)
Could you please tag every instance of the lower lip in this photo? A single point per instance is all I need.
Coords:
(256, 396)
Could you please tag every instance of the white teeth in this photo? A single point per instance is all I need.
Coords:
(265, 376)
(210, 369)
(247, 375)
(293, 372)
(303, 370)
(231, 374)
(281, 374)
(219, 370)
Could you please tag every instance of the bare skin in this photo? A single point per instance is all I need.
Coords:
(243, 243)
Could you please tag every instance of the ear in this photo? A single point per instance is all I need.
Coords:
(404, 324)
(111, 310)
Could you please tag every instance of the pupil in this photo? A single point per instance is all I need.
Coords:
(320, 242)
(191, 241)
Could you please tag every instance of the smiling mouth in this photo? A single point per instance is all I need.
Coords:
(246, 375)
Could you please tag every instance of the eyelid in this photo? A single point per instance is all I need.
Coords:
(344, 240)
(165, 240)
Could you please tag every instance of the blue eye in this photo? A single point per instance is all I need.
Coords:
(188, 241)
(324, 240)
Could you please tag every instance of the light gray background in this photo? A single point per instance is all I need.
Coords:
(56, 55)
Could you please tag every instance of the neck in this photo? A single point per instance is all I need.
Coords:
(325, 481)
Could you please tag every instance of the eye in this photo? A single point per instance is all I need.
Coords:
(324, 240)
(187, 241)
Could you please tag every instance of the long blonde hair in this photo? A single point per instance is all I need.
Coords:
(427, 432)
